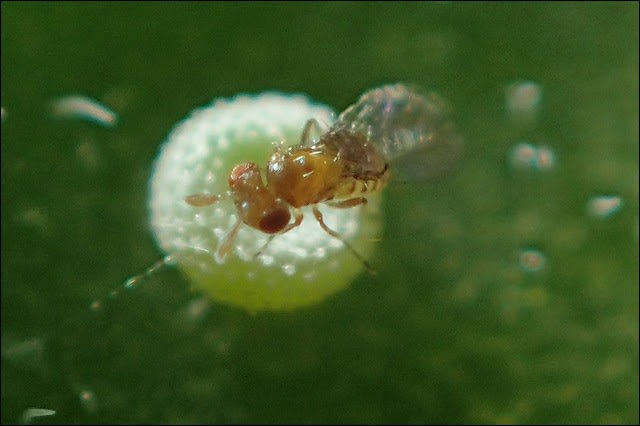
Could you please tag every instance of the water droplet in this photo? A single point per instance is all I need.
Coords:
(532, 260)
(604, 206)
(88, 400)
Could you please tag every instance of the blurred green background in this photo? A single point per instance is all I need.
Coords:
(450, 330)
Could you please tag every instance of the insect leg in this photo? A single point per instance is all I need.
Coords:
(334, 234)
(224, 248)
(311, 132)
(345, 204)
(295, 224)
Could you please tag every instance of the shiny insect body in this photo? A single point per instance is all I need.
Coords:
(343, 165)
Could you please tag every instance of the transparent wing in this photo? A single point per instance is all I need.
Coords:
(409, 129)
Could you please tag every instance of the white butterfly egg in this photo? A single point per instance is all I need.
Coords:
(300, 267)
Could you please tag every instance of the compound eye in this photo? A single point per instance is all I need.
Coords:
(275, 221)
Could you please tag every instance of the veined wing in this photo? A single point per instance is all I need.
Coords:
(410, 129)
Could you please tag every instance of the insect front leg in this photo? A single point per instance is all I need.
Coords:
(227, 243)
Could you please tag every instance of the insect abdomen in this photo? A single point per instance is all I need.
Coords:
(354, 187)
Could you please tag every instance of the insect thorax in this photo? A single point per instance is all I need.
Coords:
(304, 176)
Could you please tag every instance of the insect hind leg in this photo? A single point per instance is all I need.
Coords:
(347, 204)
(334, 234)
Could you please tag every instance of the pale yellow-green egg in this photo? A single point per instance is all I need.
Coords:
(297, 268)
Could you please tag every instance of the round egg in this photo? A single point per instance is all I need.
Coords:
(297, 268)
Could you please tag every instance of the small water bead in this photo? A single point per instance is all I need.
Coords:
(523, 156)
(526, 156)
(30, 414)
(604, 206)
(88, 400)
(545, 159)
(523, 100)
(532, 260)
(83, 108)
(96, 306)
